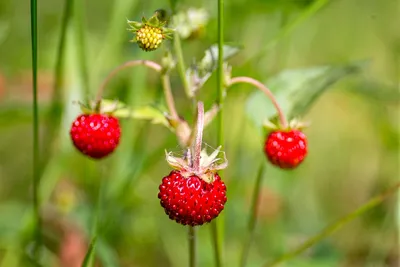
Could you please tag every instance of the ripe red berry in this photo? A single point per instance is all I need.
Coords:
(192, 201)
(95, 135)
(286, 149)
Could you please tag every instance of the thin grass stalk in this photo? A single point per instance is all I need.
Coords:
(335, 226)
(36, 161)
(81, 46)
(253, 216)
(54, 115)
(217, 226)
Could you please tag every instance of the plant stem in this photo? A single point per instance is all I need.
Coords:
(169, 98)
(128, 64)
(253, 217)
(181, 65)
(262, 87)
(217, 225)
(336, 225)
(36, 177)
(199, 137)
(192, 246)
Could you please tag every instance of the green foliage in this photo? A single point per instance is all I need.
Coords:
(296, 90)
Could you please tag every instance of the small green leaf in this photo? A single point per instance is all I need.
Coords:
(149, 112)
(90, 253)
(296, 90)
(109, 106)
(208, 63)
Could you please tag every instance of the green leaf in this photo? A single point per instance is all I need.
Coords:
(208, 63)
(149, 112)
(89, 254)
(296, 90)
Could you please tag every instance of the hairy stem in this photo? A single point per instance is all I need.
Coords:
(133, 63)
(169, 98)
(336, 225)
(192, 246)
(199, 137)
(36, 176)
(253, 217)
(262, 87)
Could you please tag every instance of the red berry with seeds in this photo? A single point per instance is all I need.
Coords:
(191, 200)
(95, 135)
(286, 149)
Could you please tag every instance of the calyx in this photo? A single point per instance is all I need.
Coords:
(209, 164)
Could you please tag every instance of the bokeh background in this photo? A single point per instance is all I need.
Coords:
(353, 138)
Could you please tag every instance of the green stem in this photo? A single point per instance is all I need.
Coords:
(217, 225)
(181, 65)
(81, 46)
(336, 225)
(192, 246)
(253, 217)
(36, 177)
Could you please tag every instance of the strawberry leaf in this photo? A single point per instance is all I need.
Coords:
(149, 112)
(209, 61)
(296, 90)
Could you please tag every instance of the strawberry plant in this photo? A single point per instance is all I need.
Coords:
(197, 192)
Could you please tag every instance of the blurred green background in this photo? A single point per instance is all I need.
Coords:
(353, 138)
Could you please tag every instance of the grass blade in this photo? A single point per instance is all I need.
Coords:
(336, 225)
(55, 112)
(89, 254)
(36, 176)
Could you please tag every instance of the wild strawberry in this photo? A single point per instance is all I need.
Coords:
(95, 135)
(286, 149)
(191, 200)
(150, 33)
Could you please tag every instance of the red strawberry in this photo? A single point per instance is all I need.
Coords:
(95, 135)
(191, 200)
(286, 149)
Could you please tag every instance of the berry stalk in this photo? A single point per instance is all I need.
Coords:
(192, 246)
(133, 63)
(282, 118)
(199, 137)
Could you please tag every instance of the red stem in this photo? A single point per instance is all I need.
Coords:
(199, 137)
(262, 87)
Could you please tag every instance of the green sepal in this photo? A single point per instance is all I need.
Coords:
(134, 24)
